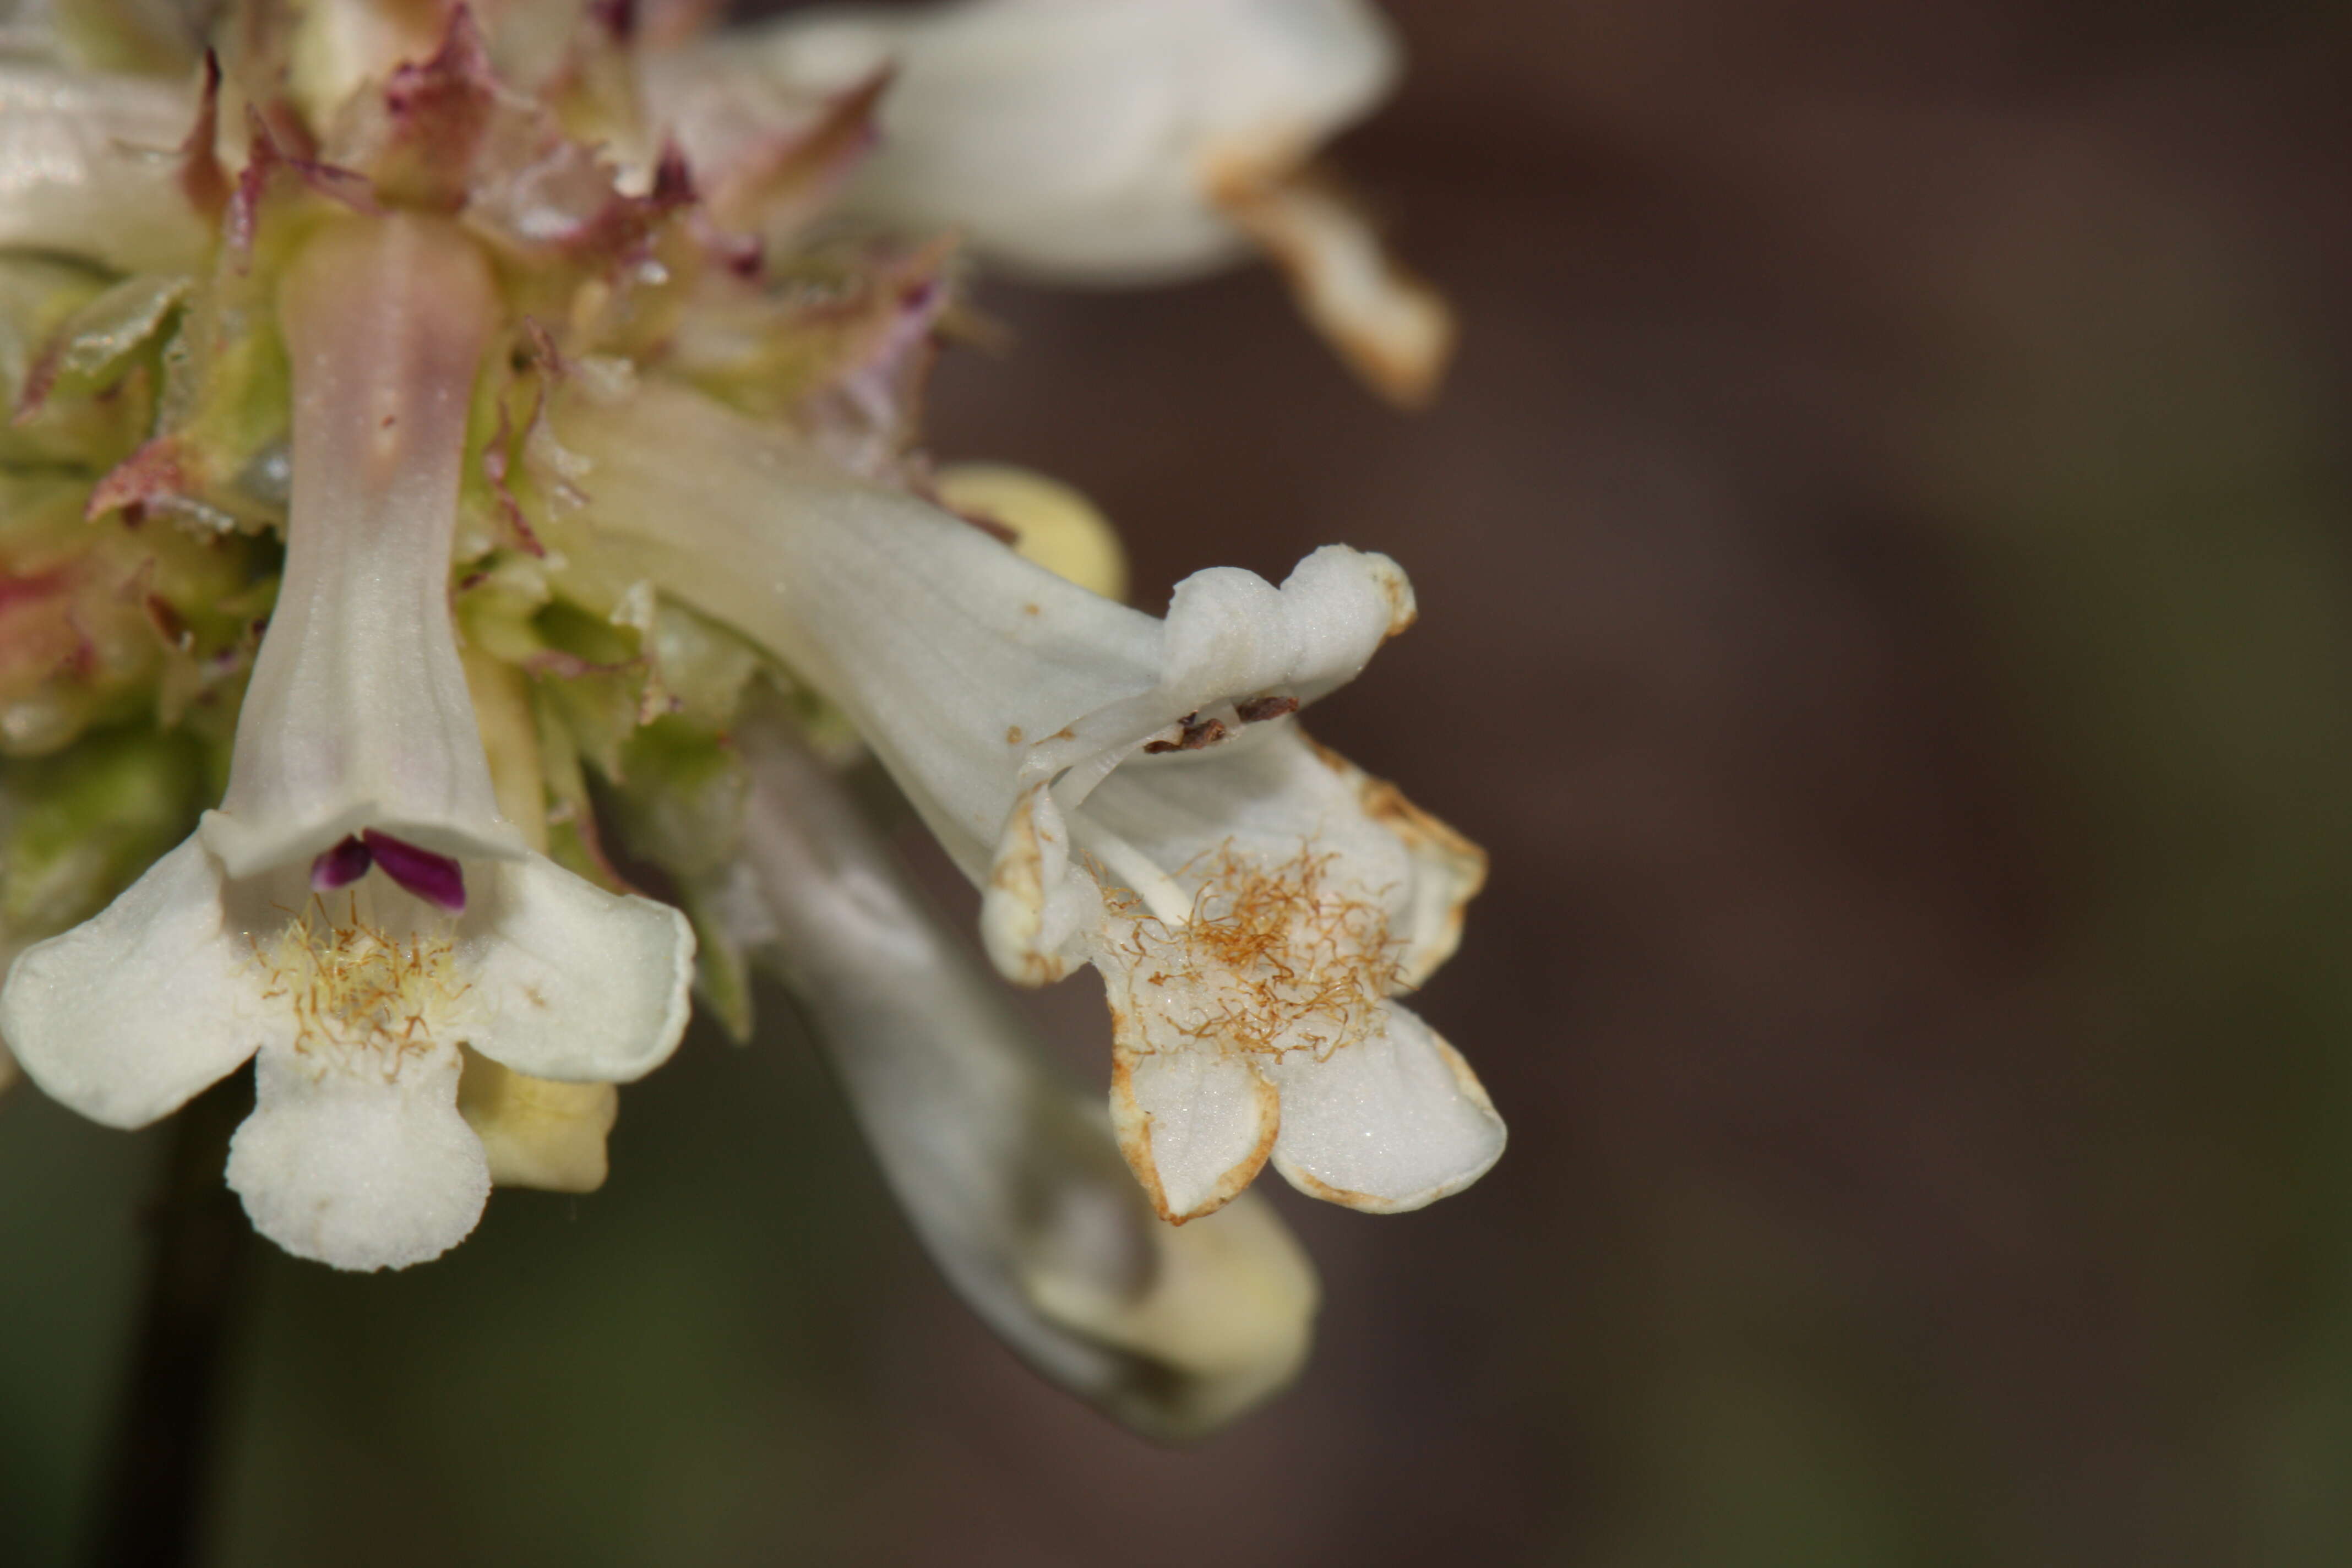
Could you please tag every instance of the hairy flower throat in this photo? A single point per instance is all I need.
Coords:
(1271, 959)
(365, 1000)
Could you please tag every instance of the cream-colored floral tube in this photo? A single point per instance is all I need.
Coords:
(1012, 1179)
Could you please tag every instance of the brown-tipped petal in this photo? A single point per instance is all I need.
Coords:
(1196, 1126)
(1393, 1123)
(1393, 329)
(1448, 870)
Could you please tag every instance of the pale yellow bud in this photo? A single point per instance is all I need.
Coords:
(1230, 1304)
(537, 1132)
(1052, 524)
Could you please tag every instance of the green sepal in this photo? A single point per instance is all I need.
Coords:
(41, 299)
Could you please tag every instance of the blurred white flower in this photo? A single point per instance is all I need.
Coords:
(1093, 141)
(357, 911)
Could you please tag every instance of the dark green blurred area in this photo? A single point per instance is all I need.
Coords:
(1886, 561)
(677, 1370)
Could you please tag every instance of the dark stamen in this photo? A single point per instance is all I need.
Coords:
(341, 867)
(1258, 709)
(1196, 732)
(436, 879)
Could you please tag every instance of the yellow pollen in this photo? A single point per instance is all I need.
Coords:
(1273, 958)
(360, 995)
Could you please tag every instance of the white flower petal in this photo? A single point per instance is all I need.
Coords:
(356, 1172)
(1230, 640)
(1036, 908)
(1229, 633)
(573, 983)
(1196, 1126)
(1393, 1123)
(130, 1013)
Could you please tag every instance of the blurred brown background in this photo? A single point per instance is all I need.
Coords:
(1886, 607)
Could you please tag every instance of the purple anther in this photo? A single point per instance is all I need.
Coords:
(341, 867)
(436, 879)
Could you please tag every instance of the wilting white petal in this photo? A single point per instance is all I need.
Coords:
(89, 167)
(131, 1013)
(1395, 1121)
(1077, 139)
(1009, 1179)
(1129, 793)
(1195, 1125)
(358, 1172)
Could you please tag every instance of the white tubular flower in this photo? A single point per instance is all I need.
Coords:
(1097, 142)
(1129, 793)
(357, 752)
(1012, 1180)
